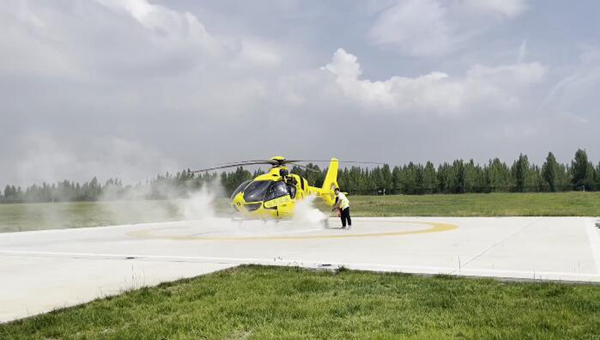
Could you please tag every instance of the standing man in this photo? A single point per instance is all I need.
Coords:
(343, 204)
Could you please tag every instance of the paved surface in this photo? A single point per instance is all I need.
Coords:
(44, 270)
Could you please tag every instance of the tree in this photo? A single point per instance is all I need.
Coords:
(430, 180)
(520, 173)
(445, 178)
(582, 171)
(397, 180)
(597, 177)
(550, 172)
(419, 179)
(376, 182)
(498, 176)
(470, 177)
(386, 176)
(409, 179)
(535, 180)
(457, 183)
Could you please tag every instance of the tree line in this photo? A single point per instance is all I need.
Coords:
(457, 177)
(461, 177)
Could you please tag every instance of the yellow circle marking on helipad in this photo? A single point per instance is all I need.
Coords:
(436, 227)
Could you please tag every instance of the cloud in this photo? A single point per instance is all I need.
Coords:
(257, 53)
(435, 27)
(503, 8)
(418, 27)
(522, 52)
(344, 65)
(438, 93)
(574, 95)
(162, 20)
(131, 89)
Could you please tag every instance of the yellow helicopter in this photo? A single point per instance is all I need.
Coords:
(274, 195)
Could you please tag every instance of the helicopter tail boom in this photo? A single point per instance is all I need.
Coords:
(330, 182)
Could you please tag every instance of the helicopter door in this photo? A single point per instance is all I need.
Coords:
(277, 189)
(278, 194)
(292, 190)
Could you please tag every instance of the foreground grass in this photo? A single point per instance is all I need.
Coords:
(279, 303)
(22, 217)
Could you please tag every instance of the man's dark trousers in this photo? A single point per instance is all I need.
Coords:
(345, 215)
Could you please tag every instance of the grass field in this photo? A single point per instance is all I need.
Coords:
(496, 204)
(40, 216)
(289, 303)
(22, 217)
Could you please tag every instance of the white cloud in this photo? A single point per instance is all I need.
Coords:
(257, 53)
(504, 8)
(88, 85)
(575, 95)
(515, 74)
(437, 27)
(436, 92)
(344, 65)
(417, 26)
(167, 24)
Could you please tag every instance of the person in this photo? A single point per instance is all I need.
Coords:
(343, 204)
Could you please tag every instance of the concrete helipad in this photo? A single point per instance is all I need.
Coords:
(44, 270)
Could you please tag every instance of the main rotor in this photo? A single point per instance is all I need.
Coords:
(275, 162)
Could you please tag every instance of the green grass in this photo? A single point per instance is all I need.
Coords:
(22, 217)
(40, 216)
(289, 303)
(497, 204)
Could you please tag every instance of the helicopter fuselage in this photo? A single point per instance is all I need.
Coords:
(274, 195)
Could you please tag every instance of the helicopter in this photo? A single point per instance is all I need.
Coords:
(275, 194)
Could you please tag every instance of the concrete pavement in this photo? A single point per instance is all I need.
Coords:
(44, 270)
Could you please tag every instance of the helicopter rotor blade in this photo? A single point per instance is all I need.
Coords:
(232, 165)
(305, 167)
(341, 161)
(252, 162)
(273, 162)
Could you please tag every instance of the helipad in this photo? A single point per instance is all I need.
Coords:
(44, 270)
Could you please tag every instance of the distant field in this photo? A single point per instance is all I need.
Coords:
(289, 303)
(497, 204)
(22, 217)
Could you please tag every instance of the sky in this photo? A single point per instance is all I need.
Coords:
(134, 88)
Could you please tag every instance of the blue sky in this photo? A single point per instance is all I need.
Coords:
(134, 88)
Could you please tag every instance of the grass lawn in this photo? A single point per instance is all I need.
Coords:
(40, 216)
(22, 217)
(496, 204)
(288, 303)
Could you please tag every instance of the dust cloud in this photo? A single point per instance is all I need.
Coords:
(307, 214)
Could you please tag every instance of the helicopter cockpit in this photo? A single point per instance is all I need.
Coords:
(258, 191)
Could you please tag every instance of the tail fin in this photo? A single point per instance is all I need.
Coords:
(330, 183)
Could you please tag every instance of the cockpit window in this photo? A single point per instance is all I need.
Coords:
(240, 188)
(278, 189)
(256, 191)
(292, 190)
